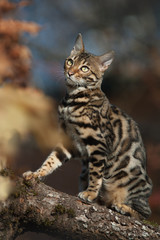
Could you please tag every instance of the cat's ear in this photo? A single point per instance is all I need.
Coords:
(79, 45)
(105, 60)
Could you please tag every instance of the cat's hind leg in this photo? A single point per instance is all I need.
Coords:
(117, 199)
(125, 210)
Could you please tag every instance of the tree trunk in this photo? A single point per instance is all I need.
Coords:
(37, 207)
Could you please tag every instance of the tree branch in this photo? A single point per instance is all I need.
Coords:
(37, 207)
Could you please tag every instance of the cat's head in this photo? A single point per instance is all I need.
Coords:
(83, 69)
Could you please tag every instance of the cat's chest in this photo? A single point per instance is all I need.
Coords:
(69, 117)
(73, 108)
(67, 112)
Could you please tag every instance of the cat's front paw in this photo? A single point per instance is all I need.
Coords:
(29, 175)
(87, 196)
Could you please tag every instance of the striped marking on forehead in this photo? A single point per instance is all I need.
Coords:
(82, 57)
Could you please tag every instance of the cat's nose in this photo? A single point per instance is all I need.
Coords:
(70, 73)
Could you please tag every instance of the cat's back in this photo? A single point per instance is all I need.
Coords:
(125, 128)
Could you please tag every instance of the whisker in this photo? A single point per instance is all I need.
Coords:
(56, 69)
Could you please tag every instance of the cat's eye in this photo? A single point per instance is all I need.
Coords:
(84, 69)
(69, 62)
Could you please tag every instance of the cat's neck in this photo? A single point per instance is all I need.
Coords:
(75, 90)
(81, 90)
(85, 92)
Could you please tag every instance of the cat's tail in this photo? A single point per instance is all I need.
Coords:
(142, 207)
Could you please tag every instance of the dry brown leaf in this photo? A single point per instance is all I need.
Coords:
(15, 58)
(15, 63)
(6, 6)
(14, 27)
(5, 66)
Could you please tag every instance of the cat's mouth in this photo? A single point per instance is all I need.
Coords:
(74, 82)
(70, 79)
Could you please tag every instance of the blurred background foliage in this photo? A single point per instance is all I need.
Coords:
(130, 28)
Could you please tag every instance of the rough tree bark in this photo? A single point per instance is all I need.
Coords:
(37, 207)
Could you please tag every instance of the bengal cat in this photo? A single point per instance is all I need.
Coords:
(106, 138)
